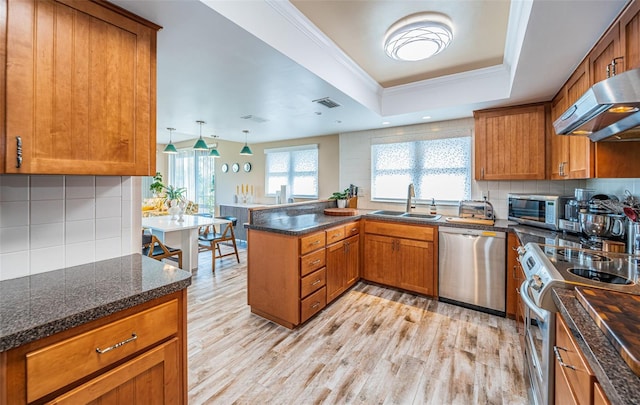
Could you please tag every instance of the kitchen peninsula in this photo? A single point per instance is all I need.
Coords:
(114, 323)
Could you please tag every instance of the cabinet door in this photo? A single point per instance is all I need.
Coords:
(559, 144)
(512, 274)
(415, 259)
(510, 143)
(80, 90)
(581, 149)
(379, 265)
(336, 272)
(630, 36)
(603, 53)
(151, 378)
(352, 260)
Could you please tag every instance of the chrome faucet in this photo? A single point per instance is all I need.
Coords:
(411, 194)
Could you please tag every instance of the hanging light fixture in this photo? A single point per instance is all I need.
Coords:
(214, 150)
(170, 148)
(200, 144)
(418, 36)
(246, 150)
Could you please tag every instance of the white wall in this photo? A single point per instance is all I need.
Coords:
(355, 168)
(51, 222)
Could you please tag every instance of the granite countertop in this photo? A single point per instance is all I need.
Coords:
(40, 305)
(618, 381)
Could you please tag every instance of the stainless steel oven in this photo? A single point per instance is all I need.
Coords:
(539, 336)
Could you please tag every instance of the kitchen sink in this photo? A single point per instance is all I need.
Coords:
(431, 217)
(403, 214)
(390, 213)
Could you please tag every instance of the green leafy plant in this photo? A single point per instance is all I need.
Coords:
(157, 186)
(340, 195)
(174, 193)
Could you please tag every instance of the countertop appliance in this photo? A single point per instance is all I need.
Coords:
(471, 269)
(544, 211)
(609, 110)
(548, 266)
(479, 209)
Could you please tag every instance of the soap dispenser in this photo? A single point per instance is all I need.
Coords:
(432, 207)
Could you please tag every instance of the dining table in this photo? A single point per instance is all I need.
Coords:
(181, 233)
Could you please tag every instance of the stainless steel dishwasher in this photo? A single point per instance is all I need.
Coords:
(471, 268)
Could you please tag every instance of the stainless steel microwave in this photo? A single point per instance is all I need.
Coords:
(543, 211)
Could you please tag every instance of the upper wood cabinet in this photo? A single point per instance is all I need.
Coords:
(510, 142)
(571, 157)
(80, 89)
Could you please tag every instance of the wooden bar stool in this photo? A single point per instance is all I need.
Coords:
(209, 239)
(153, 248)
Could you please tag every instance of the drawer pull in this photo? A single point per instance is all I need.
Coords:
(18, 152)
(124, 342)
(315, 305)
(318, 281)
(315, 242)
(315, 261)
(556, 350)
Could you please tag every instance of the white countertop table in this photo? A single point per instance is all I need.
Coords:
(183, 235)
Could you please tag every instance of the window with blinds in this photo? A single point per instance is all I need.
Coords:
(296, 167)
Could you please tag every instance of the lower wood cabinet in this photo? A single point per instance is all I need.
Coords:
(135, 356)
(575, 382)
(515, 277)
(401, 255)
(343, 261)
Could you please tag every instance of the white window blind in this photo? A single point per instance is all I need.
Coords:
(438, 168)
(193, 170)
(296, 167)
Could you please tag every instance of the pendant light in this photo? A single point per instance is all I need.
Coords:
(170, 148)
(200, 144)
(214, 150)
(246, 150)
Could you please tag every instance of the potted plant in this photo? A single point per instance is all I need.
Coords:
(175, 200)
(156, 187)
(340, 197)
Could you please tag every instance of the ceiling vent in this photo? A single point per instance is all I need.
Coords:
(327, 102)
(254, 118)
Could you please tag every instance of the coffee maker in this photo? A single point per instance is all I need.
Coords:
(573, 208)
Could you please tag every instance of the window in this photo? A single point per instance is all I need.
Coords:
(438, 168)
(296, 167)
(193, 170)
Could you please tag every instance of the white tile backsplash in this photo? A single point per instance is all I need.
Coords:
(51, 222)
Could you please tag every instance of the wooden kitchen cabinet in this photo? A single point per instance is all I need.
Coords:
(286, 276)
(343, 259)
(143, 360)
(574, 380)
(402, 256)
(80, 94)
(510, 142)
(571, 157)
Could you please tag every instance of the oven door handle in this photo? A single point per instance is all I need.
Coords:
(524, 294)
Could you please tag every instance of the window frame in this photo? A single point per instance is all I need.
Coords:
(192, 194)
(291, 175)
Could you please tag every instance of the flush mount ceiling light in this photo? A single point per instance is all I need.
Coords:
(246, 150)
(200, 143)
(214, 149)
(170, 148)
(418, 36)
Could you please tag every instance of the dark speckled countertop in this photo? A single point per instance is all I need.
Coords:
(618, 381)
(40, 305)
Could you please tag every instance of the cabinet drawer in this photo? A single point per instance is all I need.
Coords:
(424, 233)
(311, 262)
(312, 304)
(62, 363)
(312, 242)
(351, 229)
(335, 235)
(581, 378)
(312, 282)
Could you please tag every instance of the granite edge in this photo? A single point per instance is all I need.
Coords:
(59, 325)
(618, 381)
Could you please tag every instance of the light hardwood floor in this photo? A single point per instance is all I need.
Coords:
(371, 346)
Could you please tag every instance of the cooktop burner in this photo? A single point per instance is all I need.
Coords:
(599, 276)
(573, 255)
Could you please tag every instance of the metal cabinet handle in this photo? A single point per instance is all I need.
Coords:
(318, 281)
(315, 305)
(482, 173)
(315, 242)
(18, 152)
(315, 261)
(556, 350)
(124, 342)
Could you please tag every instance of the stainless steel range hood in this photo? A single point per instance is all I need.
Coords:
(608, 111)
